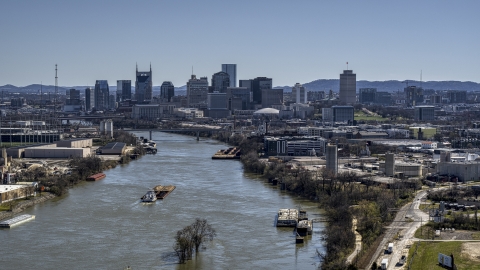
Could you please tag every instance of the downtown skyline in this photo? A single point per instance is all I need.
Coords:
(288, 42)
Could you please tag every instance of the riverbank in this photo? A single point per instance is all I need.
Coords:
(26, 203)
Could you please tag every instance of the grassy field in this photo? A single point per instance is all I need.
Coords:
(361, 116)
(427, 256)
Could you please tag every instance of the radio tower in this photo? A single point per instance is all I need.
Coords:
(55, 99)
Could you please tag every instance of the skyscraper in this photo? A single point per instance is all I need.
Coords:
(124, 89)
(259, 84)
(143, 86)
(89, 98)
(348, 87)
(220, 82)
(101, 95)
(231, 70)
(197, 90)
(299, 94)
(167, 91)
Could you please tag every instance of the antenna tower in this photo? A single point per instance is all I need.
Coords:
(55, 98)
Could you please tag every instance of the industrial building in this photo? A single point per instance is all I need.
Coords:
(13, 192)
(113, 148)
(75, 143)
(465, 171)
(55, 152)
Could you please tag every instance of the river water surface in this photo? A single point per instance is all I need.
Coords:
(103, 225)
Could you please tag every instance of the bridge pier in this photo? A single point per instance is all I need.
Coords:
(198, 135)
(151, 135)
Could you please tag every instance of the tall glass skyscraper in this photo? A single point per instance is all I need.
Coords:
(102, 95)
(231, 70)
(124, 89)
(220, 82)
(89, 98)
(143, 86)
(167, 91)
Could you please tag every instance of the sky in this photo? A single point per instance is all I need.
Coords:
(288, 41)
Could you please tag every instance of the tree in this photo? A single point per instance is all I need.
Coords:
(192, 237)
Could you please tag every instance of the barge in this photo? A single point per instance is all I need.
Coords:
(96, 177)
(287, 218)
(230, 153)
(305, 227)
(162, 191)
(16, 221)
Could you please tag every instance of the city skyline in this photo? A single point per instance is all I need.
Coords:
(380, 40)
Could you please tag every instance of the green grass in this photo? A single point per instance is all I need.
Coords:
(476, 236)
(361, 116)
(427, 255)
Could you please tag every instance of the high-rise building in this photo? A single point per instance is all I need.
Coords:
(367, 95)
(383, 97)
(348, 87)
(249, 85)
(89, 98)
(424, 113)
(197, 90)
(217, 100)
(259, 84)
(112, 104)
(167, 91)
(231, 70)
(238, 98)
(338, 114)
(101, 95)
(143, 86)
(272, 97)
(73, 97)
(413, 95)
(124, 89)
(299, 94)
(220, 82)
(315, 95)
(456, 96)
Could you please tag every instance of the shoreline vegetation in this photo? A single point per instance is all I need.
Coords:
(343, 197)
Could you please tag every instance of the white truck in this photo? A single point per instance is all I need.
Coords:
(384, 264)
(390, 248)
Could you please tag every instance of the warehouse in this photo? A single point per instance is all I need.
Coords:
(75, 143)
(56, 152)
(113, 148)
(13, 192)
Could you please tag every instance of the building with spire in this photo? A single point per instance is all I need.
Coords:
(143, 86)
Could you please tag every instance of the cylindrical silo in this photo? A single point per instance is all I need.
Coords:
(389, 164)
(331, 158)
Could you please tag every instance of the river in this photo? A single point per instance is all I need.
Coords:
(103, 225)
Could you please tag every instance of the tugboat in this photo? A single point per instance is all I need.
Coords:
(149, 197)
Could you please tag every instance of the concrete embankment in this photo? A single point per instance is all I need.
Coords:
(20, 207)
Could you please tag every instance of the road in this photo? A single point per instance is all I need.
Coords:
(401, 226)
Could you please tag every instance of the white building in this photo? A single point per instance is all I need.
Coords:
(188, 113)
(299, 95)
(429, 145)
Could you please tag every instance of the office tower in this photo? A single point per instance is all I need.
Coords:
(143, 86)
(315, 95)
(197, 90)
(384, 98)
(238, 98)
(101, 95)
(167, 91)
(73, 97)
(259, 84)
(124, 89)
(413, 95)
(249, 85)
(272, 97)
(456, 96)
(348, 87)
(231, 70)
(220, 82)
(216, 100)
(89, 98)
(338, 114)
(299, 94)
(112, 104)
(424, 113)
(367, 95)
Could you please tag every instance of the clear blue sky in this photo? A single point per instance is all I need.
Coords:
(289, 41)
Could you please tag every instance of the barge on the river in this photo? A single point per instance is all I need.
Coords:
(96, 177)
(16, 221)
(163, 191)
(230, 153)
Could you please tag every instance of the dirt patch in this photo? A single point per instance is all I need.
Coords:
(456, 235)
(471, 251)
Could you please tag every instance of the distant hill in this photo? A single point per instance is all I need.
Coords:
(389, 86)
(317, 85)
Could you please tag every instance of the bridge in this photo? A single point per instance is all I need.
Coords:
(196, 130)
(89, 117)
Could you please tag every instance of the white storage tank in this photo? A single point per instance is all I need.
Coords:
(109, 128)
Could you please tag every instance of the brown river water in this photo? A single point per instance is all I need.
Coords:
(103, 224)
